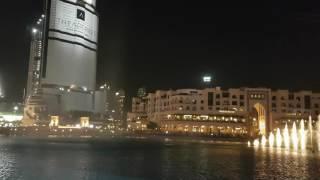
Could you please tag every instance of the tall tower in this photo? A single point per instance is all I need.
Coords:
(35, 108)
(63, 58)
(35, 59)
(70, 56)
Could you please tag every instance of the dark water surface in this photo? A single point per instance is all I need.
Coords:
(145, 159)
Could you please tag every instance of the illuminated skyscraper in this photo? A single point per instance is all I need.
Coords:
(63, 57)
(34, 72)
(35, 108)
(69, 64)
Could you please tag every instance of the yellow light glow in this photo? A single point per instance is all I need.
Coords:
(294, 136)
(302, 135)
(279, 138)
(263, 141)
(256, 143)
(286, 137)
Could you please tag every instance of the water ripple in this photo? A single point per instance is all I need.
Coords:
(142, 159)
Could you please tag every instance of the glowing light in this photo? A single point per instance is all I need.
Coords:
(256, 143)
(11, 118)
(302, 135)
(318, 133)
(249, 143)
(16, 108)
(227, 111)
(294, 136)
(310, 131)
(286, 137)
(279, 138)
(263, 141)
(271, 140)
(34, 30)
(207, 79)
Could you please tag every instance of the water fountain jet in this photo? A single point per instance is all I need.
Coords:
(263, 141)
(318, 133)
(271, 140)
(294, 136)
(286, 137)
(297, 138)
(310, 131)
(303, 140)
(279, 138)
(256, 143)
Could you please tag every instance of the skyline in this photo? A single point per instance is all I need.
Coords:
(155, 40)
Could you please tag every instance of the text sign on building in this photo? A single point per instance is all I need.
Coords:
(72, 19)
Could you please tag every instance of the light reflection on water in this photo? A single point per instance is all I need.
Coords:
(7, 162)
(143, 159)
(280, 163)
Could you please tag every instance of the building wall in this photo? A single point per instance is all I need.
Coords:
(67, 101)
(262, 109)
(69, 65)
(100, 101)
(109, 103)
(34, 70)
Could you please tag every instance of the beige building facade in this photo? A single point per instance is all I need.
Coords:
(216, 111)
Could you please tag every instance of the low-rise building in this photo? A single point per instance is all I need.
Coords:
(215, 111)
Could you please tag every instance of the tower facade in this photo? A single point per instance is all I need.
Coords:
(70, 56)
(34, 71)
(35, 108)
(63, 58)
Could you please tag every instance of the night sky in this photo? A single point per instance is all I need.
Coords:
(171, 44)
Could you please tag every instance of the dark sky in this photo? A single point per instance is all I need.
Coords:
(170, 44)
